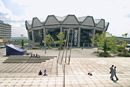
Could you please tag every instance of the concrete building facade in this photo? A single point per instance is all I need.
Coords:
(5, 31)
(84, 28)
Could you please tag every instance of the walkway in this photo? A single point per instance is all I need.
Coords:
(26, 74)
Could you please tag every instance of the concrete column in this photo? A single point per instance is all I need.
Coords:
(28, 34)
(78, 45)
(39, 31)
(93, 36)
(33, 36)
(60, 28)
(43, 34)
(44, 31)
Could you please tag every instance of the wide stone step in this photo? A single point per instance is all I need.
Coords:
(27, 59)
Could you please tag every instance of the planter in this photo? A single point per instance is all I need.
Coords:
(105, 55)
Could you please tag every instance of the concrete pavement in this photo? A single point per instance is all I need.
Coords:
(26, 74)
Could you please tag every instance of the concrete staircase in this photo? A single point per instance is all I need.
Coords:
(27, 59)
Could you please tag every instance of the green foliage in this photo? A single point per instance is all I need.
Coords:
(61, 36)
(35, 47)
(22, 44)
(111, 43)
(22, 35)
(48, 47)
(22, 41)
(124, 53)
(104, 54)
(99, 40)
(49, 40)
(61, 40)
(119, 48)
(105, 46)
(108, 40)
(124, 44)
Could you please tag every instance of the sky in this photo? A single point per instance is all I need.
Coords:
(116, 12)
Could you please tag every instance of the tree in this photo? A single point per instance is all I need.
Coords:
(105, 41)
(112, 42)
(61, 40)
(99, 39)
(22, 41)
(105, 47)
(124, 44)
(49, 40)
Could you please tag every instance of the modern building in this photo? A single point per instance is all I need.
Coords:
(84, 28)
(5, 31)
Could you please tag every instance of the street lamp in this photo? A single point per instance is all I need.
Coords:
(63, 59)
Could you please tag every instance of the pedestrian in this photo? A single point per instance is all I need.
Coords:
(45, 51)
(114, 70)
(90, 74)
(45, 73)
(111, 72)
(40, 72)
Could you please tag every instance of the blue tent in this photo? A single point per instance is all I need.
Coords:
(14, 50)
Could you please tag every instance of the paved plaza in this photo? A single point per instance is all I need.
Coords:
(82, 62)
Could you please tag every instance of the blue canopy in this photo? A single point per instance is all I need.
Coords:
(14, 50)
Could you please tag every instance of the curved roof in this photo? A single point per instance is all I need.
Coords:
(89, 21)
(51, 20)
(36, 22)
(68, 20)
(101, 24)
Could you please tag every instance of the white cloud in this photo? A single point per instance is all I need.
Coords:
(3, 9)
(116, 12)
(15, 21)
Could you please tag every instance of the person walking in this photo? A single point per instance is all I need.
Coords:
(114, 70)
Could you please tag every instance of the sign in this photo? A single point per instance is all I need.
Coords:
(75, 37)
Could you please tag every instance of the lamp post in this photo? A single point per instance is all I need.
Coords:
(63, 59)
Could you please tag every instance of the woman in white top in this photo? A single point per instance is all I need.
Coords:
(114, 70)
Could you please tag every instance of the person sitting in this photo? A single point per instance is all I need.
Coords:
(45, 73)
(31, 55)
(34, 55)
(38, 56)
(40, 72)
(90, 74)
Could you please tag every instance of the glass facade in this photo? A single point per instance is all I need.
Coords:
(84, 28)
(30, 35)
(38, 36)
(85, 37)
(75, 36)
(42, 33)
(53, 32)
(100, 32)
(5, 31)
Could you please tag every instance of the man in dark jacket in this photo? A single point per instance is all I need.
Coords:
(112, 72)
